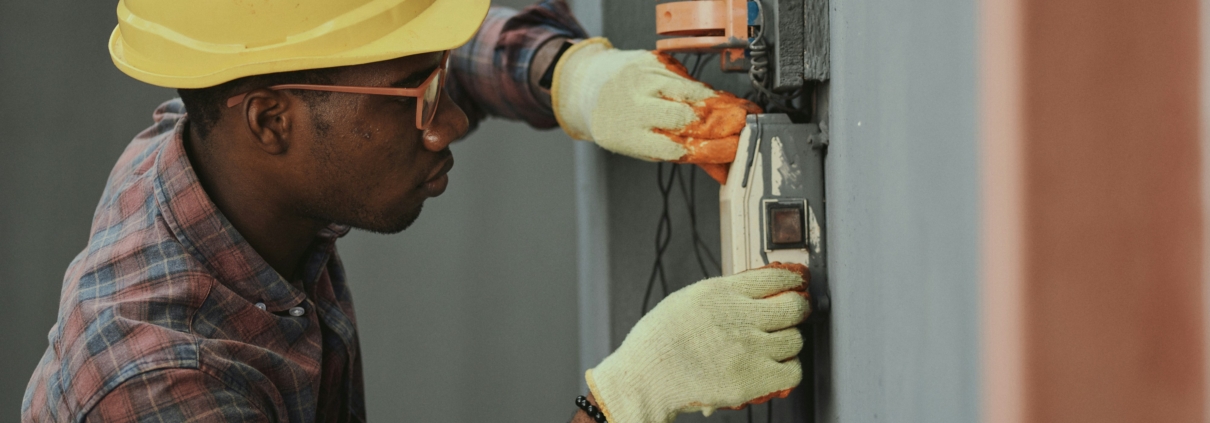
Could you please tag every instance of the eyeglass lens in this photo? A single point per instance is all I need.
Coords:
(431, 97)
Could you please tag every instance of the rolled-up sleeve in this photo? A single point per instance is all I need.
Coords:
(176, 395)
(490, 74)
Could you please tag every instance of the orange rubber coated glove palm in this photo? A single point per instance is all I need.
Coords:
(644, 105)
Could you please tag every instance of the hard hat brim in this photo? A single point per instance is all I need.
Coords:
(433, 30)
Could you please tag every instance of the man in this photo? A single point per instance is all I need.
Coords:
(211, 290)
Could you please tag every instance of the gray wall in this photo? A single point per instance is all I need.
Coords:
(66, 115)
(476, 301)
(902, 183)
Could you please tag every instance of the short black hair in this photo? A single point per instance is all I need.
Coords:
(204, 105)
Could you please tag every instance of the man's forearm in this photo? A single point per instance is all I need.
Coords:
(484, 77)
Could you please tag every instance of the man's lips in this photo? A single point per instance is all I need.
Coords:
(441, 170)
(439, 179)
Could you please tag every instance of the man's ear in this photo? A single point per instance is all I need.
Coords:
(271, 118)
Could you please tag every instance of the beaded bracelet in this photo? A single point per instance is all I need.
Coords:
(592, 410)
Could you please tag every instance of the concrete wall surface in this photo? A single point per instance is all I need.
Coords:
(476, 302)
(66, 115)
(478, 299)
(902, 188)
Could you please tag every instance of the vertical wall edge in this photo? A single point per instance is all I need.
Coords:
(1002, 220)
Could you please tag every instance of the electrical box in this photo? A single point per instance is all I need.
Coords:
(772, 210)
(772, 207)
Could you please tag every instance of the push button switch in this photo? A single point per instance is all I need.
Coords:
(786, 225)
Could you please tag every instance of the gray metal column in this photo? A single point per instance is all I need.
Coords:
(902, 183)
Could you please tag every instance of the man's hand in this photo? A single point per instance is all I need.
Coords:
(644, 104)
(719, 343)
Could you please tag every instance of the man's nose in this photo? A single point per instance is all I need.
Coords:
(450, 124)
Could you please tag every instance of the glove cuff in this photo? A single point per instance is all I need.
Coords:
(621, 393)
(596, 394)
(572, 95)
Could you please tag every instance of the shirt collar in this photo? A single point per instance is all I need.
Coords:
(208, 235)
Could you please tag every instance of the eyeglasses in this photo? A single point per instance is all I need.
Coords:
(428, 94)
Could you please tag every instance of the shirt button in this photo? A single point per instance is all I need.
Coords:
(297, 311)
(260, 306)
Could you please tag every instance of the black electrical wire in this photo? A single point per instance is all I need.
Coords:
(697, 238)
(691, 205)
(696, 70)
(758, 71)
(663, 234)
(697, 63)
(699, 246)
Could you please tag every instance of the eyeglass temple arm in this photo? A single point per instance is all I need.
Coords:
(402, 92)
(409, 92)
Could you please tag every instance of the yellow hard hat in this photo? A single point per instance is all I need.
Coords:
(197, 44)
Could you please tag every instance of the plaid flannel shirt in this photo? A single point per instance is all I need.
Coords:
(490, 73)
(169, 315)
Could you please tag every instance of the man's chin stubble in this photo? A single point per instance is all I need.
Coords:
(363, 218)
(388, 224)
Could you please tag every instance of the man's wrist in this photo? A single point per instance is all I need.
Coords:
(581, 416)
(544, 60)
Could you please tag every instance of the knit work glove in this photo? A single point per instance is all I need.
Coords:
(644, 105)
(720, 343)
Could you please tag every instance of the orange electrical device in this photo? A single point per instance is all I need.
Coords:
(705, 26)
